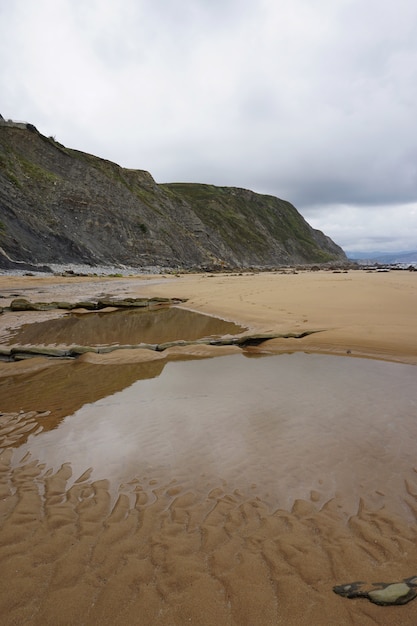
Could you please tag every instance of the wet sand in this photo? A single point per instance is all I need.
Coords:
(253, 509)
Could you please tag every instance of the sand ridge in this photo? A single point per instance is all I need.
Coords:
(172, 558)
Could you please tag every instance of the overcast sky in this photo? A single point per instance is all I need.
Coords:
(313, 101)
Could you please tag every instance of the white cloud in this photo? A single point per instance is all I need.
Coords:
(313, 102)
(361, 228)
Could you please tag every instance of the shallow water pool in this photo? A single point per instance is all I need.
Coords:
(131, 326)
(279, 428)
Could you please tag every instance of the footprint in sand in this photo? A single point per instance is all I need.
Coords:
(383, 594)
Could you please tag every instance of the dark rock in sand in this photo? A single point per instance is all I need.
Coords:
(21, 304)
(87, 304)
(384, 594)
(29, 351)
(77, 350)
(125, 303)
(64, 305)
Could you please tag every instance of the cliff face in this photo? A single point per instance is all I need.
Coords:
(59, 205)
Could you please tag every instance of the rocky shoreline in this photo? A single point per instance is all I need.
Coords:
(20, 352)
(121, 271)
(17, 268)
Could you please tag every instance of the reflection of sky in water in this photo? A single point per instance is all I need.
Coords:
(286, 424)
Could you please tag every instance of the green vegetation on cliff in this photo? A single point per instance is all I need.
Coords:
(61, 205)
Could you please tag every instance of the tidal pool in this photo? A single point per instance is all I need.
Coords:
(131, 326)
(281, 428)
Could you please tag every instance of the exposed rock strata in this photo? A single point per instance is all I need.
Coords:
(17, 353)
(64, 206)
(20, 352)
(22, 304)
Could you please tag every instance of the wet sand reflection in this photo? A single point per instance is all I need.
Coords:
(231, 491)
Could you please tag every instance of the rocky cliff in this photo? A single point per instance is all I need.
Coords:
(59, 205)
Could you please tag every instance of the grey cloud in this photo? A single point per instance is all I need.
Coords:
(312, 103)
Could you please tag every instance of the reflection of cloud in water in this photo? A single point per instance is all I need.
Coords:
(285, 425)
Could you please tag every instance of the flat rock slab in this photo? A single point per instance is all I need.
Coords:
(22, 352)
(22, 304)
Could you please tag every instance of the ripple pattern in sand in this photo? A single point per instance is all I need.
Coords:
(244, 495)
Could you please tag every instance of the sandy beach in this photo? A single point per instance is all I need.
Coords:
(214, 536)
(369, 313)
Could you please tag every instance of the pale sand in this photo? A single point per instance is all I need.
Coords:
(172, 557)
(371, 314)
